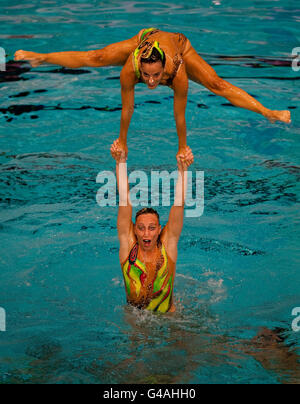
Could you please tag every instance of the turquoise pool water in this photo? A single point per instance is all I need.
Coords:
(238, 266)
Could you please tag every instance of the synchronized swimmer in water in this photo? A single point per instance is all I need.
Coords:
(148, 254)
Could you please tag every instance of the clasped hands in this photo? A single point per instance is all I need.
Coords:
(184, 156)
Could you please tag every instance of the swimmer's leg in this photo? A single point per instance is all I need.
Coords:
(202, 73)
(112, 55)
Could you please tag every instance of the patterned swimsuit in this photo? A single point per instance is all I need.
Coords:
(158, 295)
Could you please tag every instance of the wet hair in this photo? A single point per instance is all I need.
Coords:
(146, 211)
(155, 57)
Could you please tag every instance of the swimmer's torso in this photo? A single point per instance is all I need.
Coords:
(174, 45)
(149, 286)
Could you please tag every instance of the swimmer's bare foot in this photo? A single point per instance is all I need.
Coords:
(35, 59)
(274, 116)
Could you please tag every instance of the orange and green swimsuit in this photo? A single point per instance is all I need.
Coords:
(159, 294)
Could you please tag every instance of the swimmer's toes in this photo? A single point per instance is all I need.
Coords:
(283, 116)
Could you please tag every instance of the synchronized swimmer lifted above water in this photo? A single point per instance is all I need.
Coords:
(156, 57)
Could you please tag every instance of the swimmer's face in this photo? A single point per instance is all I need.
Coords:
(152, 73)
(147, 230)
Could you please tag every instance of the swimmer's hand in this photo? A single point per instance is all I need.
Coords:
(274, 116)
(184, 158)
(118, 152)
(123, 146)
(35, 59)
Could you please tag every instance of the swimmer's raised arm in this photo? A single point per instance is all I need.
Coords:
(124, 222)
(172, 231)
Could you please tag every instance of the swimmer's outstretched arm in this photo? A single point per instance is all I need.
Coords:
(172, 231)
(124, 222)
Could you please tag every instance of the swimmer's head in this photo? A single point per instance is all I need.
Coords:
(147, 228)
(152, 67)
(156, 55)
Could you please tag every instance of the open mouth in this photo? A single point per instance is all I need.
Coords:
(146, 242)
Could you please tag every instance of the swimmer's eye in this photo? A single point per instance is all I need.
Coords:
(148, 75)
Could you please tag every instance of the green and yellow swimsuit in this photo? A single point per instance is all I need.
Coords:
(159, 296)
